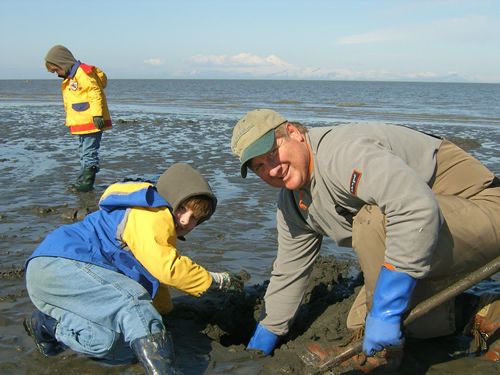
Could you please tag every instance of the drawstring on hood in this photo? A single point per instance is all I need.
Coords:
(62, 57)
(180, 182)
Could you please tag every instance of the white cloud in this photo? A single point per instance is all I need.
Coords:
(250, 65)
(153, 61)
(247, 65)
(243, 64)
(240, 60)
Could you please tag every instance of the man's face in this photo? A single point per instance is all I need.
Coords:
(286, 164)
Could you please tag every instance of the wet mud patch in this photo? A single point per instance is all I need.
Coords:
(14, 273)
(67, 214)
(215, 329)
(210, 334)
(228, 322)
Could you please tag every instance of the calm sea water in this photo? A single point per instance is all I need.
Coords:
(158, 122)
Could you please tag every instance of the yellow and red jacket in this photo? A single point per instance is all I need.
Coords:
(133, 233)
(84, 98)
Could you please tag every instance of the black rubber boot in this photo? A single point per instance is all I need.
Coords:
(42, 329)
(85, 181)
(156, 354)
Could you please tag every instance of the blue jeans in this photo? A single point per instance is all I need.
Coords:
(88, 148)
(99, 311)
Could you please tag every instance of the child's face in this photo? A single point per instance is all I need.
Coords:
(57, 70)
(184, 221)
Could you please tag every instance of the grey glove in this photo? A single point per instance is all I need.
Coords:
(227, 281)
(98, 122)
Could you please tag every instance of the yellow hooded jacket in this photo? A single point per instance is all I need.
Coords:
(133, 233)
(151, 236)
(82, 91)
(84, 98)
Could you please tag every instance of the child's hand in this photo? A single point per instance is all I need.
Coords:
(98, 122)
(229, 281)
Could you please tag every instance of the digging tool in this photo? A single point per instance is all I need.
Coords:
(422, 308)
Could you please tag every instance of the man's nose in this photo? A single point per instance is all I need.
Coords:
(274, 170)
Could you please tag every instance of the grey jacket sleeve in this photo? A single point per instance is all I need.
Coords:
(413, 218)
(297, 251)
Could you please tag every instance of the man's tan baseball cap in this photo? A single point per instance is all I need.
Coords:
(253, 135)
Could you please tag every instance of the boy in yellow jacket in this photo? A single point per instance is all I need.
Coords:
(87, 113)
(100, 284)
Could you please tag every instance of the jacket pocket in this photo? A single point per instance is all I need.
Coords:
(79, 107)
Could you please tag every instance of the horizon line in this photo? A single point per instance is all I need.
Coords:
(269, 79)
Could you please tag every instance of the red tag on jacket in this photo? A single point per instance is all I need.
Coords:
(86, 68)
(353, 184)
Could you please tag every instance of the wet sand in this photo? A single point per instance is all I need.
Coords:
(210, 334)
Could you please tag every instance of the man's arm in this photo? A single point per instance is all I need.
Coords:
(289, 277)
(413, 218)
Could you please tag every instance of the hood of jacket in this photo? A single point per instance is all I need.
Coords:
(62, 57)
(131, 194)
(180, 182)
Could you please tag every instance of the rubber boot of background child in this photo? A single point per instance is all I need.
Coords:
(85, 181)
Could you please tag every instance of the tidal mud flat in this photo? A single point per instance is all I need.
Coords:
(210, 334)
(160, 122)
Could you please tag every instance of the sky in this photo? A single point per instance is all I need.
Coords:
(376, 40)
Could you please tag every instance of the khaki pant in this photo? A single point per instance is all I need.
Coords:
(469, 238)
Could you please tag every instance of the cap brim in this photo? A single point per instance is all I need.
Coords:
(259, 147)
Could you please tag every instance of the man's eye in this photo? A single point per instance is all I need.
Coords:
(257, 168)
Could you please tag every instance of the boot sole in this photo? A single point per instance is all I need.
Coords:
(28, 327)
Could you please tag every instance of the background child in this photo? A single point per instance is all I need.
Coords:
(94, 282)
(87, 113)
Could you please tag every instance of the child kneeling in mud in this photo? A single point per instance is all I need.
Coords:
(101, 284)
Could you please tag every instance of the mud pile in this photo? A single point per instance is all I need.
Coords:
(227, 323)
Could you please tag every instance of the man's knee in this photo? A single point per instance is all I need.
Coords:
(369, 222)
(368, 241)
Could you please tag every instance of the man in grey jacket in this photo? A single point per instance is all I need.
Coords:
(414, 207)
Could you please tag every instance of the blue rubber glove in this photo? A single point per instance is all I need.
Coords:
(390, 300)
(263, 339)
